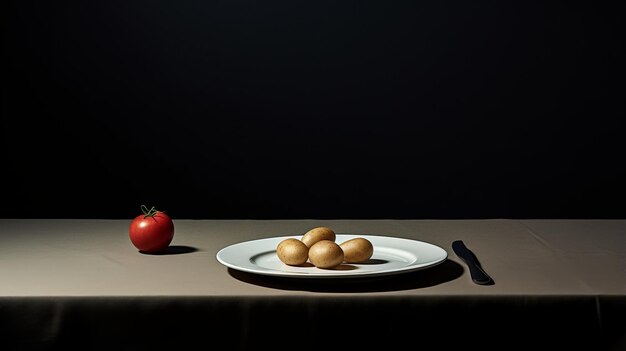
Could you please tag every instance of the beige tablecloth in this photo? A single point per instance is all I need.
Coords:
(66, 283)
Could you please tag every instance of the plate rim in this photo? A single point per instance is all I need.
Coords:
(286, 274)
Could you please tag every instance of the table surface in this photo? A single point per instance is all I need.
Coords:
(579, 263)
(96, 258)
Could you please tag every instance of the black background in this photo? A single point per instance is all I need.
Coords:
(288, 109)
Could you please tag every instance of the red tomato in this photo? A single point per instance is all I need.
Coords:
(151, 231)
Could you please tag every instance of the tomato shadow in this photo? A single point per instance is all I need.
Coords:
(173, 250)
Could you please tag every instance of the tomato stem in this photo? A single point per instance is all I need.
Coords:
(148, 213)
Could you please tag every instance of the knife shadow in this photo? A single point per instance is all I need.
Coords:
(444, 272)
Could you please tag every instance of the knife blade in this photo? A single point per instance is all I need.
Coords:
(479, 276)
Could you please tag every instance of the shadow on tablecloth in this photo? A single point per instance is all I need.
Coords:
(444, 272)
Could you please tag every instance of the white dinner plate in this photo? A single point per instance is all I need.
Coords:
(391, 256)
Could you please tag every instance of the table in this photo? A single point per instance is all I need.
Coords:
(80, 283)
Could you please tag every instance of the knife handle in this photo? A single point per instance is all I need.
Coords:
(478, 274)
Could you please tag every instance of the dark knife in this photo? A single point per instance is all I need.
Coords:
(476, 271)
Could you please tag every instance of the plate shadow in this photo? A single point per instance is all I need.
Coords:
(443, 272)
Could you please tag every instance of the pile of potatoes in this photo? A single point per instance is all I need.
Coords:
(319, 247)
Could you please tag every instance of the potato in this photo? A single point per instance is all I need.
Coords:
(357, 250)
(292, 252)
(325, 254)
(316, 234)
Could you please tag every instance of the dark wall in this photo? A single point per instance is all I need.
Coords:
(289, 109)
